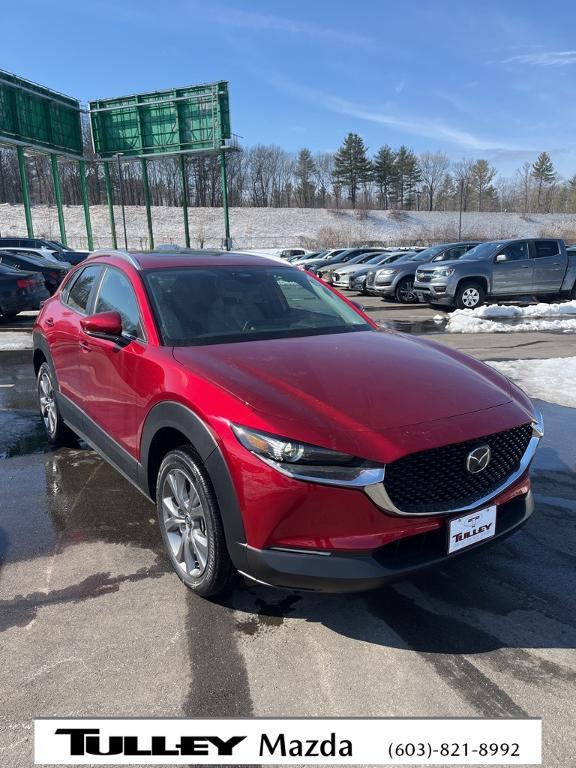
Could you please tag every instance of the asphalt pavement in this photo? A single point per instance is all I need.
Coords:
(94, 623)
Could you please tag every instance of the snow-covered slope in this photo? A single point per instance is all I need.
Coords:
(286, 227)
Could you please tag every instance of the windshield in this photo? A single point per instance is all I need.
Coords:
(217, 305)
(483, 251)
(428, 254)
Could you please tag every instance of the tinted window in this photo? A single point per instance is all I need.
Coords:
(515, 251)
(7, 243)
(117, 295)
(544, 248)
(79, 293)
(211, 305)
(451, 254)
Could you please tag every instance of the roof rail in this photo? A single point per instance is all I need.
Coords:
(115, 252)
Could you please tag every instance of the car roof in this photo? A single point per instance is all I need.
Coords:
(187, 258)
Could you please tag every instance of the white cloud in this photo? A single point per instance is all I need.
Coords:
(544, 59)
(261, 22)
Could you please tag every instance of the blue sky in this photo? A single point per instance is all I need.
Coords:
(489, 79)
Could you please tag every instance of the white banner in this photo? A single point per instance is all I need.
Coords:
(288, 742)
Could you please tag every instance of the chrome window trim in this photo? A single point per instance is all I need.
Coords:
(377, 491)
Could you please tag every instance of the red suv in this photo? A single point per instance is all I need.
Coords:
(280, 433)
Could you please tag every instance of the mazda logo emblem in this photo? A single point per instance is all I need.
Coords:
(478, 459)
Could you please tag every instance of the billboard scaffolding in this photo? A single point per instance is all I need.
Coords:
(180, 121)
(33, 117)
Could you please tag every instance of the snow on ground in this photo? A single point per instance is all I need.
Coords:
(552, 379)
(284, 227)
(536, 317)
(11, 340)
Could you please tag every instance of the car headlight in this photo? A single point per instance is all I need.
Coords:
(360, 279)
(303, 461)
(443, 272)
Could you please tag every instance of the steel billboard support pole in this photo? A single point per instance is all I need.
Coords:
(121, 181)
(58, 197)
(85, 203)
(185, 200)
(147, 202)
(25, 191)
(110, 200)
(225, 198)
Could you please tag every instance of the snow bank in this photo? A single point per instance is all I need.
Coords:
(273, 228)
(11, 340)
(553, 380)
(536, 317)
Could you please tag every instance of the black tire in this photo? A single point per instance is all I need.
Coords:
(573, 293)
(470, 295)
(405, 291)
(57, 432)
(198, 536)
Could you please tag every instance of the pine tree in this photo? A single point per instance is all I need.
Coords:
(544, 173)
(385, 172)
(304, 173)
(407, 176)
(481, 176)
(352, 166)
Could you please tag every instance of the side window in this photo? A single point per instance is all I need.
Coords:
(515, 251)
(451, 254)
(6, 243)
(78, 294)
(543, 248)
(117, 295)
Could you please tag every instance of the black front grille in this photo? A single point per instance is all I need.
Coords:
(424, 277)
(437, 480)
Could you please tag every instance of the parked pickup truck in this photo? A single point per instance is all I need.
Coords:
(502, 269)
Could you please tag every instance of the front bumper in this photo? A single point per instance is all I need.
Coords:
(386, 291)
(435, 293)
(356, 572)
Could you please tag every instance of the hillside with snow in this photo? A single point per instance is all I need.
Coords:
(285, 227)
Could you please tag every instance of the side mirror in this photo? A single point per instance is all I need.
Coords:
(104, 325)
(358, 305)
(500, 258)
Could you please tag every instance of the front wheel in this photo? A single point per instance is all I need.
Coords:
(470, 296)
(191, 525)
(405, 291)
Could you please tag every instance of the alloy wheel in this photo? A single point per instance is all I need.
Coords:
(185, 523)
(47, 404)
(406, 293)
(470, 297)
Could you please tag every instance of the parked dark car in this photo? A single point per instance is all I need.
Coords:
(221, 388)
(344, 257)
(20, 291)
(52, 273)
(62, 252)
(396, 283)
(502, 269)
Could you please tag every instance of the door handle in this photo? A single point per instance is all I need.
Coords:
(525, 266)
(49, 322)
(83, 344)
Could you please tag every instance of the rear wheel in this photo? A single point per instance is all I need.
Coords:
(405, 291)
(56, 430)
(191, 525)
(470, 296)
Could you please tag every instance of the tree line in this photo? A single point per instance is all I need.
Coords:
(268, 176)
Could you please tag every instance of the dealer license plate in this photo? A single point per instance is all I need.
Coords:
(469, 530)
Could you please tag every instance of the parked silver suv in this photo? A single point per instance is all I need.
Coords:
(500, 269)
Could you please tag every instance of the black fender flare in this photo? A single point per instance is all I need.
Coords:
(177, 416)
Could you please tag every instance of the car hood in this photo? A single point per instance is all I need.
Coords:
(316, 387)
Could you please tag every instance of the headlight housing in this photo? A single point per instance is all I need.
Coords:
(303, 461)
(443, 272)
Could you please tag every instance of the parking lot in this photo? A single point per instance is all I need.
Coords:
(95, 623)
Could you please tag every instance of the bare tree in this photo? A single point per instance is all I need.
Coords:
(433, 167)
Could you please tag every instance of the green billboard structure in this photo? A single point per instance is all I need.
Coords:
(36, 118)
(179, 122)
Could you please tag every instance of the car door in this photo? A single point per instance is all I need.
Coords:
(549, 266)
(119, 378)
(512, 269)
(61, 323)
